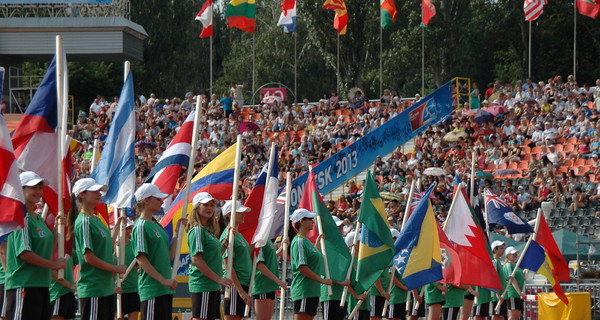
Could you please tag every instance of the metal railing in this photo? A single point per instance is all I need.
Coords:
(118, 8)
(531, 306)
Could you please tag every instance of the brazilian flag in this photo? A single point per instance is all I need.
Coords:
(376, 251)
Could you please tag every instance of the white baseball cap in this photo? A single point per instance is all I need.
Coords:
(130, 223)
(239, 207)
(31, 179)
(202, 197)
(149, 190)
(338, 221)
(497, 243)
(349, 239)
(87, 184)
(511, 250)
(395, 232)
(300, 214)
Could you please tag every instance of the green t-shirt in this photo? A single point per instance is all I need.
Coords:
(91, 234)
(268, 256)
(432, 294)
(501, 275)
(485, 296)
(336, 289)
(359, 289)
(508, 269)
(201, 241)
(130, 284)
(397, 295)
(2, 277)
(455, 297)
(34, 237)
(242, 262)
(57, 290)
(303, 252)
(150, 238)
(384, 278)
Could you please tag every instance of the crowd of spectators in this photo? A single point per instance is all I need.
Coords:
(546, 132)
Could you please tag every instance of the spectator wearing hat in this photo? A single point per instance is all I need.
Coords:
(307, 267)
(514, 301)
(242, 264)
(498, 248)
(151, 248)
(94, 251)
(29, 261)
(206, 267)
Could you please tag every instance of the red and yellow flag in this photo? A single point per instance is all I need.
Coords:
(340, 22)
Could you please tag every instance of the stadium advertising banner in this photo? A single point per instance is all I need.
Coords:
(358, 156)
(53, 1)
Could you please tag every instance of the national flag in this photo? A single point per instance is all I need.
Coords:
(262, 201)
(500, 213)
(35, 139)
(340, 21)
(215, 178)
(451, 262)
(388, 13)
(428, 12)
(545, 238)
(375, 250)
(205, 16)
(536, 260)
(167, 170)
(418, 258)
(416, 198)
(306, 202)
(287, 19)
(11, 192)
(470, 242)
(533, 9)
(116, 167)
(241, 14)
(589, 8)
(278, 219)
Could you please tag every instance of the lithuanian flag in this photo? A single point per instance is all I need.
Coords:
(241, 14)
(375, 252)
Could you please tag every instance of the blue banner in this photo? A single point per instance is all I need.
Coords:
(357, 157)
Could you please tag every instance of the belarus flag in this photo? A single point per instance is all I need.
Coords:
(287, 20)
(205, 16)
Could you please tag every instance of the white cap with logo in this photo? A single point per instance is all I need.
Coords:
(87, 184)
(202, 197)
(300, 214)
(148, 190)
(239, 207)
(497, 243)
(511, 250)
(31, 179)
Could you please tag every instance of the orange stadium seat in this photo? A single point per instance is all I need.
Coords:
(568, 147)
(568, 163)
(523, 165)
(536, 150)
(502, 166)
(579, 162)
(573, 140)
(558, 147)
(513, 165)
(561, 140)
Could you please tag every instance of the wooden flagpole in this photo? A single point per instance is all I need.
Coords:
(286, 225)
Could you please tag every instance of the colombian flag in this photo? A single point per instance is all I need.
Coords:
(536, 260)
(375, 250)
(418, 258)
(216, 178)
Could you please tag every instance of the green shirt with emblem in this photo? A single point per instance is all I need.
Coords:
(150, 238)
(501, 275)
(91, 234)
(267, 255)
(304, 253)
(34, 237)
(242, 263)
(130, 284)
(201, 241)
(397, 295)
(57, 290)
(508, 269)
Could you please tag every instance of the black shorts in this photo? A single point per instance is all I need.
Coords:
(515, 304)
(502, 311)
(158, 308)
(206, 305)
(420, 312)
(307, 305)
(450, 313)
(235, 306)
(264, 296)
(469, 296)
(28, 303)
(2, 301)
(130, 302)
(332, 310)
(100, 308)
(362, 315)
(65, 306)
(397, 311)
(377, 303)
(484, 309)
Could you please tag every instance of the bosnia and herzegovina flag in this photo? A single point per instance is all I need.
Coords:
(375, 250)
(418, 258)
(216, 178)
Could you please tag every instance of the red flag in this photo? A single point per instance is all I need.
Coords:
(451, 262)
(11, 192)
(205, 16)
(340, 22)
(307, 203)
(428, 9)
(588, 8)
(545, 239)
(471, 245)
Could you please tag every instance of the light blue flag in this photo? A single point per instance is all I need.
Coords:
(116, 167)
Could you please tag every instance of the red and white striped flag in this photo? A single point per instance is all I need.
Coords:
(12, 200)
(205, 16)
(533, 9)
